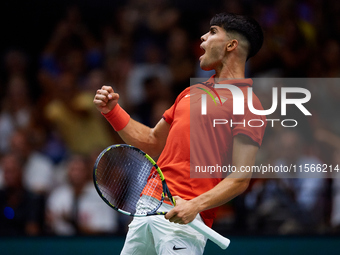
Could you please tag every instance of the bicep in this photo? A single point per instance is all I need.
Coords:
(160, 134)
(244, 154)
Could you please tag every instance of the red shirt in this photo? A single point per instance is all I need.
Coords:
(194, 141)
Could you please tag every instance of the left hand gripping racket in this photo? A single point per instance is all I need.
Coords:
(129, 181)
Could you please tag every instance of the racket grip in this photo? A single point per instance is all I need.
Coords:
(210, 234)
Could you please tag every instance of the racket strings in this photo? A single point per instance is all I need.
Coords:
(152, 194)
(123, 175)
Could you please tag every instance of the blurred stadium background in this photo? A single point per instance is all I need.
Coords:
(55, 54)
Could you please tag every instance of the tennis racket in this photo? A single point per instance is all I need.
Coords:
(129, 181)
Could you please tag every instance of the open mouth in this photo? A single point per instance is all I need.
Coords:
(203, 52)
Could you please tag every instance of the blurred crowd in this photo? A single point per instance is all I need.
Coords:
(51, 134)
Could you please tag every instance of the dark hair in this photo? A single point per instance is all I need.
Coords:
(244, 25)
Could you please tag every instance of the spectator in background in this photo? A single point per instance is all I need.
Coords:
(16, 110)
(117, 69)
(157, 100)
(180, 59)
(76, 208)
(94, 80)
(293, 49)
(15, 64)
(152, 66)
(21, 210)
(38, 169)
(73, 49)
(306, 190)
(293, 205)
(290, 40)
(161, 16)
(72, 114)
(19, 111)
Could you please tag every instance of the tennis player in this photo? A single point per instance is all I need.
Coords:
(230, 42)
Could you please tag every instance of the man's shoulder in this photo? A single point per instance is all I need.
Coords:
(185, 92)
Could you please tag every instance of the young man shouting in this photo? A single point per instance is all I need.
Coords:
(230, 42)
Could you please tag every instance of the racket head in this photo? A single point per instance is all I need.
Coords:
(130, 181)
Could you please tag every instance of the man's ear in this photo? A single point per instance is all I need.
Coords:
(231, 45)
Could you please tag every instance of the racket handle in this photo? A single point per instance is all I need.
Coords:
(210, 234)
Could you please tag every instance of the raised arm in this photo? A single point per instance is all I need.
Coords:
(150, 140)
(244, 154)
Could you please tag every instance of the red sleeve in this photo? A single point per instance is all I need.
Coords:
(250, 124)
(169, 114)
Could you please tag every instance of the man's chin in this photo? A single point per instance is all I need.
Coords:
(205, 67)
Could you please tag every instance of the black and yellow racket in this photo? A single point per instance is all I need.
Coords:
(129, 181)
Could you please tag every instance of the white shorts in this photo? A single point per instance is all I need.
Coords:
(154, 235)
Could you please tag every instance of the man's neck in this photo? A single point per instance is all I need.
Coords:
(230, 70)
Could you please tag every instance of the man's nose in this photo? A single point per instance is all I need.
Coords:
(204, 37)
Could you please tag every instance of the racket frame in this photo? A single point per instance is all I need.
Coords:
(166, 191)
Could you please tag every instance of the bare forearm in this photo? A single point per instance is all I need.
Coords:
(141, 136)
(222, 193)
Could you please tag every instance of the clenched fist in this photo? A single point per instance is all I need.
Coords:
(105, 99)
